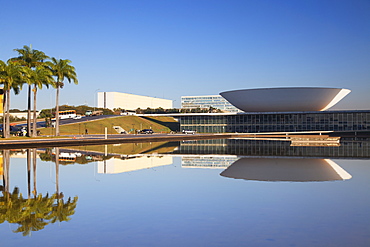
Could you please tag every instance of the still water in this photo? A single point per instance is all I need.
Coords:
(205, 193)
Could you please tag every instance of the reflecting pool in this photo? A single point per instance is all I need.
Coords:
(204, 193)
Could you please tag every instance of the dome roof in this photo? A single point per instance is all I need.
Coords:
(286, 99)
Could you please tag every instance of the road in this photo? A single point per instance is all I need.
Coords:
(41, 123)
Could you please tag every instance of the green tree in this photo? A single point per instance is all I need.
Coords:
(40, 76)
(61, 70)
(12, 76)
(30, 58)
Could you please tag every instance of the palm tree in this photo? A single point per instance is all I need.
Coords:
(39, 76)
(12, 75)
(62, 70)
(30, 58)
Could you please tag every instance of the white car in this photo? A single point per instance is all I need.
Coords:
(77, 117)
(187, 132)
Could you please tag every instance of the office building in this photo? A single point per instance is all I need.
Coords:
(280, 110)
(131, 102)
(207, 101)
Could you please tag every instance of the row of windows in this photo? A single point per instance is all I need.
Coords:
(290, 128)
(202, 97)
(205, 102)
(279, 122)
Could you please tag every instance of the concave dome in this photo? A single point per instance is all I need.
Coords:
(288, 99)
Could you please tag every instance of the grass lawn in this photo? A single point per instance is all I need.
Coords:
(129, 123)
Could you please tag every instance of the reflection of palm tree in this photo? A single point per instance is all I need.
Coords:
(33, 214)
(31, 223)
(63, 210)
(57, 169)
(34, 171)
(37, 213)
(29, 172)
(6, 160)
(12, 206)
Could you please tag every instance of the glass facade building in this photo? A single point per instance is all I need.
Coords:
(207, 101)
(343, 121)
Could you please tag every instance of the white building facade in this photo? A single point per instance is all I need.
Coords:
(131, 102)
(207, 101)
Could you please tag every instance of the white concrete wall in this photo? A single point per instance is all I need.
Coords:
(131, 101)
(23, 114)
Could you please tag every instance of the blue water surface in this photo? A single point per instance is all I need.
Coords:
(171, 205)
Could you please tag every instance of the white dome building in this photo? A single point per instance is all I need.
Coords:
(286, 99)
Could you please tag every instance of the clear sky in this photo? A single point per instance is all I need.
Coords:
(174, 48)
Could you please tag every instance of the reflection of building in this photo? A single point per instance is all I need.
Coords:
(132, 163)
(286, 169)
(349, 148)
(128, 101)
(214, 161)
(207, 101)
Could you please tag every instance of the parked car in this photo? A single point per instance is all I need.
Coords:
(146, 131)
(88, 113)
(187, 132)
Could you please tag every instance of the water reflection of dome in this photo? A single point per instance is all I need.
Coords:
(285, 99)
(286, 169)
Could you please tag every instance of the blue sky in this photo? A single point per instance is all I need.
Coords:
(174, 48)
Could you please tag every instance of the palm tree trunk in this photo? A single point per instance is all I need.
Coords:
(29, 112)
(7, 114)
(3, 170)
(57, 112)
(4, 111)
(34, 130)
